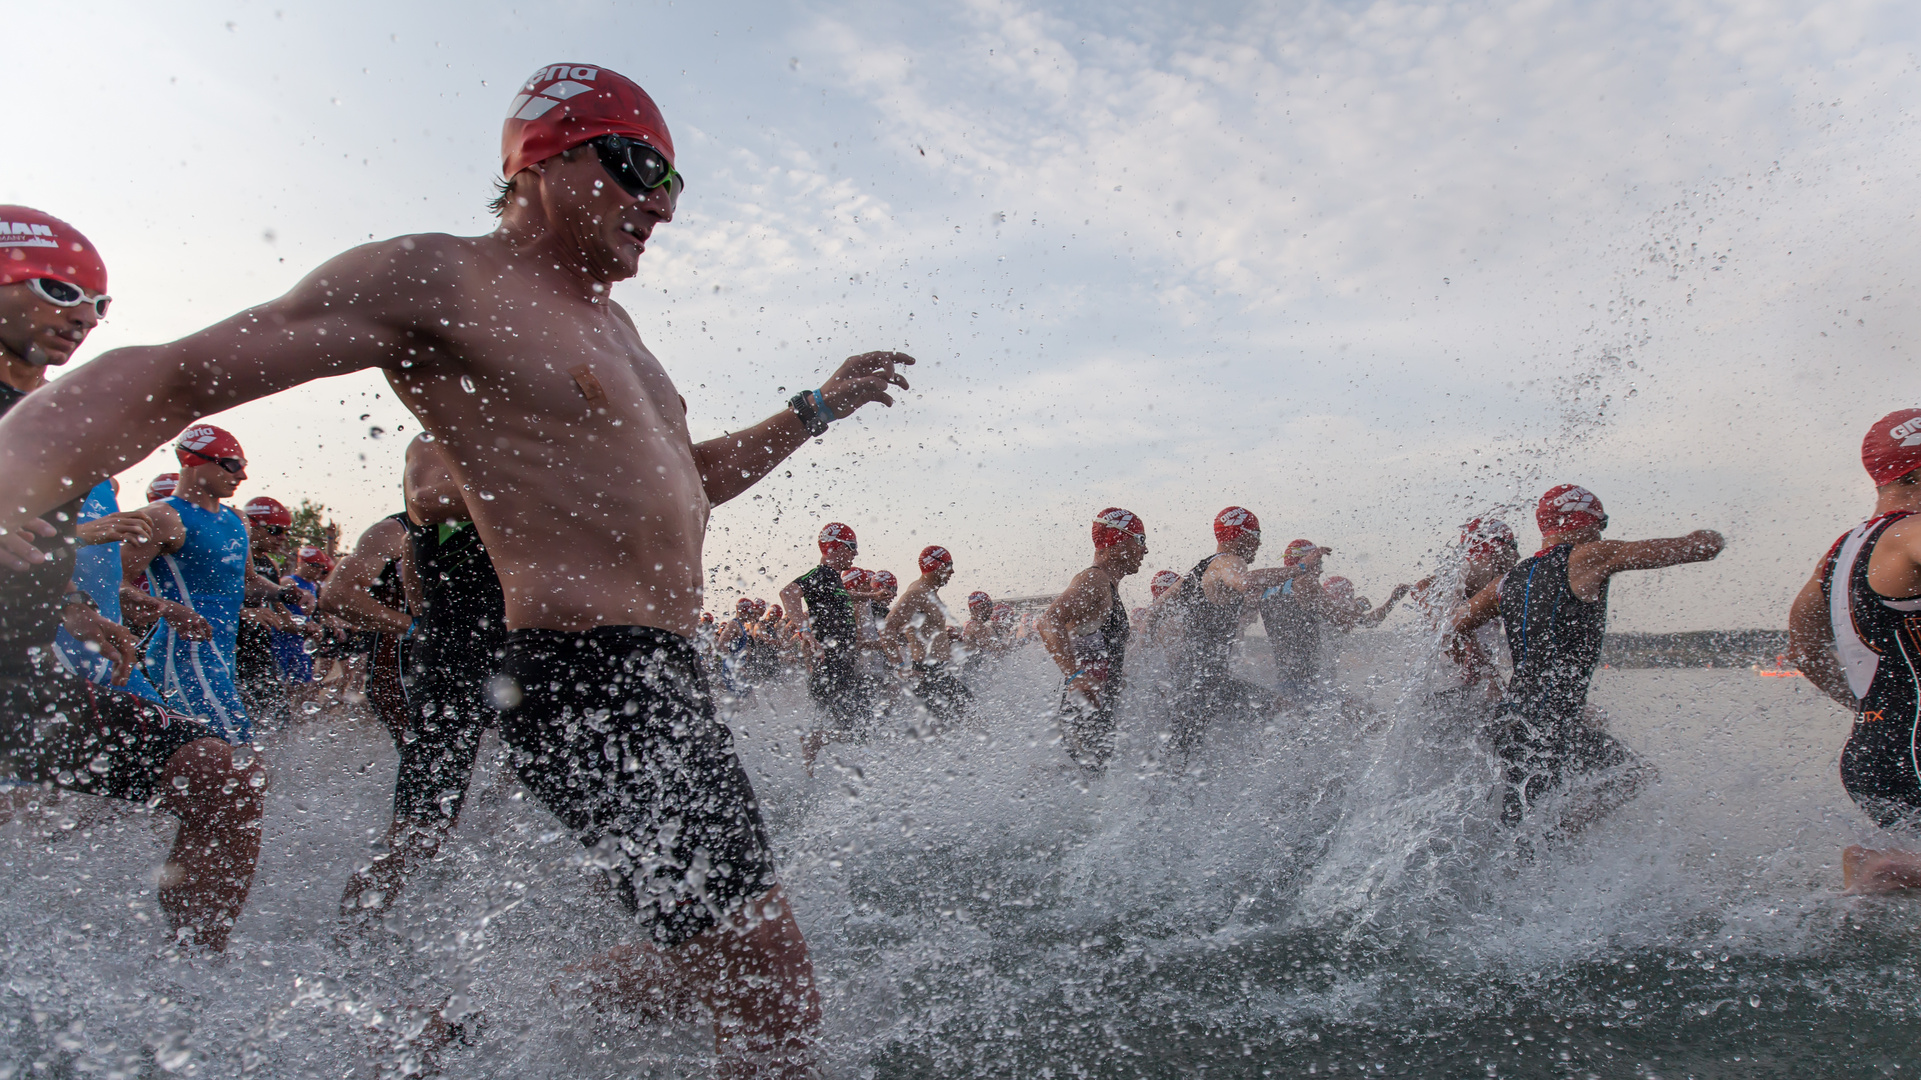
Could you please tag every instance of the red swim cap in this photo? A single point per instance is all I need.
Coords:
(760, 607)
(884, 580)
(743, 608)
(1567, 507)
(977, 598)
(564, 105)
(1300, 550)
(1340, 587)
(1234, 523)
(1162, 582)
(855, 578)
(313, 556)
(775, 612)
(1483, 537)
(203, 444)
(1892, 449)
(33, 244)
(261, 510)
(1114, 524)
(162, 486)
(836, 533)
(933, 557)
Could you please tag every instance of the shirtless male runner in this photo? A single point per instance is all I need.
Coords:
(1855, 632)
(56, 729)
(918, 639)
(592, 499)
(1085, 630)
(1554, 608)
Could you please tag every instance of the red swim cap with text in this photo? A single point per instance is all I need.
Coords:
(977, 598)
(564, 105)
(261, 510)
(1113, 525)
(1234, 523)
(836, 533)
(1300, 550)
(885, 581)
(855, 578)
(1892, 448)
(204, 444)
(34, 244)
(1162, 582)
(1567, 507)
(933, 557)
(1484, 537)
(163, 486)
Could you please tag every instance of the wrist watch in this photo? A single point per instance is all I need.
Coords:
(809, 413)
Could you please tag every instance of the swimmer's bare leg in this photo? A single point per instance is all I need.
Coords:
(1866, 871)
(751, 974)
(206, 878)
(371, 890)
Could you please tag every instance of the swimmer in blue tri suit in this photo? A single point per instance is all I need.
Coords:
(1855, 632)
(96, 573)
(197, 557)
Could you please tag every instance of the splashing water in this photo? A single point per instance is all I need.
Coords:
(1326, 894)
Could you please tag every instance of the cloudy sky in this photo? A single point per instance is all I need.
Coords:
(1367, 269)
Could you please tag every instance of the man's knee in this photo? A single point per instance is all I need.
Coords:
(205, 773)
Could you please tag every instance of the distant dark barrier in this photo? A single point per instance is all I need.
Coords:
(1699, 648)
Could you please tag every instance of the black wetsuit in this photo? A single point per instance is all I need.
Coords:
(837, 684)
(1203, 687)
(1088, 731)
(1554, 637)
(1293, 628)
(1878, 640)
(614, 731)
(459, 639)
(56, 728)
(257, 675)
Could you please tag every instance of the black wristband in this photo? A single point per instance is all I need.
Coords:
(810, 418)
(290, 595)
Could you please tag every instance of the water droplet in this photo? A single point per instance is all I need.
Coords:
(310, 707)
(486, 496)
(467, 384)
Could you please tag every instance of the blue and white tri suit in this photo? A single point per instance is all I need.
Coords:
(96, 570)
(208, 575)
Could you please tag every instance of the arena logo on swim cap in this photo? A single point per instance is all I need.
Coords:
(535, 100)
(933, 557)
(1909, 433)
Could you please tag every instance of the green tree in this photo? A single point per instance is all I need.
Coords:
(311, 525)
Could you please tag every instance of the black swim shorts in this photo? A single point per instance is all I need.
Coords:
(614, 731)
(57, 728)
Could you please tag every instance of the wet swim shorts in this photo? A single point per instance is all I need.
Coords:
(57, 728)
(614, 731)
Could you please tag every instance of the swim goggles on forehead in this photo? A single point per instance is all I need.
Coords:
(638, 168)
(231, 464)
(66, 294)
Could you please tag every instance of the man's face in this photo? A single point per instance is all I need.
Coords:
(1246, 546)
(263, 539)
(1133, 551)
(213, 479)
(592, 215)
(838, 556)
(943, 575)
(38, 333)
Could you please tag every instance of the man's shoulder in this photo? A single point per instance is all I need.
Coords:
(425, 263)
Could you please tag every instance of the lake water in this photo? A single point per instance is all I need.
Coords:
(1327, 895)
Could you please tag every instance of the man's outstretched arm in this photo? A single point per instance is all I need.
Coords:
(111, 412)
(736, 461)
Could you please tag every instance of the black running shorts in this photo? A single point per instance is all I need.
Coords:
(614, 731)
(57, 728)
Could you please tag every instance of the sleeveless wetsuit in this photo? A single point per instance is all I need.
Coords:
(456, 650)
(1294, 634)
(1203, 687)
(837, 684)
(263, 686)
(55, 727)
(96, 570)
(208, 575)
(1088, 732)
(388, 668)
(1554, 637)
(1878, 640)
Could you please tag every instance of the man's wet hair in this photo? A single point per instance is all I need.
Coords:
(504, 187)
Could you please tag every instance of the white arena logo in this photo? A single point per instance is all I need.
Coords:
(532, 106)
(1909, 433)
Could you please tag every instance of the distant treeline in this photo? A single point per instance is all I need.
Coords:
(1698, 648)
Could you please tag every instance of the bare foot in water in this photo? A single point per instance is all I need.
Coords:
(1866, 871)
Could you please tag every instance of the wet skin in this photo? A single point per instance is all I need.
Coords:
(572, 446)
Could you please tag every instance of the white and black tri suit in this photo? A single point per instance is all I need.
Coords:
(1878, 640)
